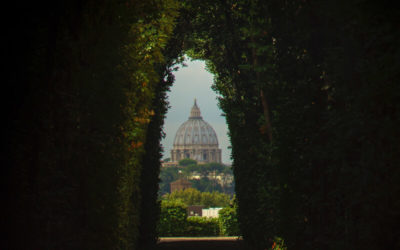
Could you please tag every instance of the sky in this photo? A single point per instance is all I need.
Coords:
(193, 82)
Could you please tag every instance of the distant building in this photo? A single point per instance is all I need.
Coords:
(210, 212)
(200, 210)
(196, 139)
(180, 184)
(195, 210)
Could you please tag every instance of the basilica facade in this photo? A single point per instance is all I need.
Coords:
(196, 139)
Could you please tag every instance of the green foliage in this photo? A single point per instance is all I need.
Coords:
(207, 172)
(202, 226)
(191, 169)
(206, 184)
(150, 208)
(186, 162)
(84, 132)
(174, 221)
(278, 244)
(167, 175)
(172, 218)
(215, 167)
(228, 221)
(192, 196)
(308, 92)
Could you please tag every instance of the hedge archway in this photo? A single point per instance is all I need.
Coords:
(310, 98)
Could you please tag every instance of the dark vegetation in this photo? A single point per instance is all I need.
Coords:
(311, 98)
(86, 82)
(309, 89)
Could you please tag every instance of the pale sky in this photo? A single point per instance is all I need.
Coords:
(193, 82)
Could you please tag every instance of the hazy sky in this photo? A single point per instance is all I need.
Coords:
(193, 82)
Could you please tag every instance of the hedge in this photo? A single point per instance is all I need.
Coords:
(174, 222)
(228, 222)
(84, 80)
(202, 226)
(310, 94)
(172, 219)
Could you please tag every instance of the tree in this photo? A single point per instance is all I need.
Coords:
(186, 162)
(167, 175)
(214, 167)
(206, 184)
(193, 196)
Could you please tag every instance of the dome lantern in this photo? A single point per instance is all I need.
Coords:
(195, 112)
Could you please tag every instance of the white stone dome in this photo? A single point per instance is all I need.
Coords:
(195, 131)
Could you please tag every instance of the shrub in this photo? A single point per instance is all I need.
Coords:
(228, 221)
(172, 218)
(186, 162)
(202, 226)
(192, 196)
(174, 222)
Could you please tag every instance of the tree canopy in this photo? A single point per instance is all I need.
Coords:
(193, 196)
(186, 162)
(207, 177)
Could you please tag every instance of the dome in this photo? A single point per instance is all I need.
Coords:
(196, 139)
(195, 131)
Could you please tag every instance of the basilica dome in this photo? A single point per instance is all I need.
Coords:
(195, 131)
(196, 139)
